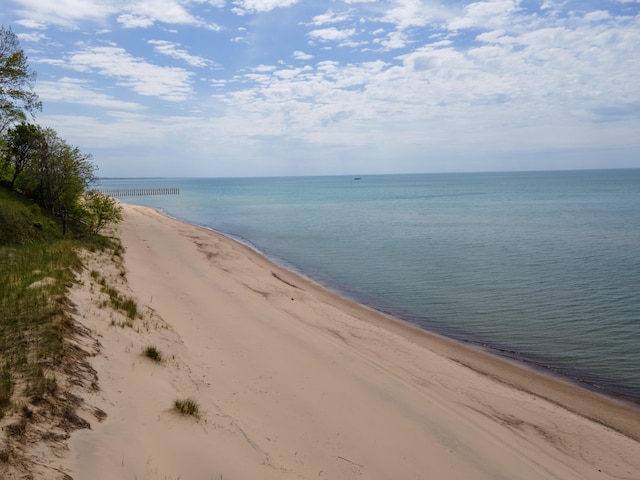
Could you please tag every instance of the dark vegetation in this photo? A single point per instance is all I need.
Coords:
(152, 352)
(187, 406)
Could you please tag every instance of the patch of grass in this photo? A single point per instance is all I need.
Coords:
(153, 353)
(187, 406)
(37, 266)
(22, 222)
(117, 301)
(33, 316)
(124, 324)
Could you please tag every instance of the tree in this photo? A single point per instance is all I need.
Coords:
(58, 175)
(17, 97)
(101, 210)
(22, 143)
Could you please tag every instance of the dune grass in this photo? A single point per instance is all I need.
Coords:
(116, 300)
(37, 266)
(187, 406)
(33, 314)
(152, 352)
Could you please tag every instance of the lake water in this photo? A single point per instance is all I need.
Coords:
(543, 267)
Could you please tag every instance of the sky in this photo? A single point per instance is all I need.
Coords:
(225, 88)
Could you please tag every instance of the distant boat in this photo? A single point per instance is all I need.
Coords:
(357, 178)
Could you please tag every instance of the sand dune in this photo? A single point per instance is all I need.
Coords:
(296, 382)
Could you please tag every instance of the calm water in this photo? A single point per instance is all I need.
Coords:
(543, 267)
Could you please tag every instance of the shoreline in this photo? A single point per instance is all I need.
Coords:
(296, 381)
(557, 378)
(517, 374)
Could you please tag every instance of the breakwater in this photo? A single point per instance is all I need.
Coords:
(137, 192)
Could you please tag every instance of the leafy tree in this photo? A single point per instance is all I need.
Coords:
(22, 143)
(58, 175)
(17, 97)
(101, 210)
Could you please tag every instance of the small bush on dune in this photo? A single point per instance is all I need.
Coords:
(153, 353)
(187, 406)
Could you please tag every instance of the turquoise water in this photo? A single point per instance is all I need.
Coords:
(543, 267)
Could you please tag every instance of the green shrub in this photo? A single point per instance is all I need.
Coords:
(187, 406)
(153, 353)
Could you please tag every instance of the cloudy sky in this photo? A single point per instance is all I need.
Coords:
(297, 87)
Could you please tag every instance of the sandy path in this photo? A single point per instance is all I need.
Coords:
(294, 382)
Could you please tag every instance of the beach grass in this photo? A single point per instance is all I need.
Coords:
(187, 406)
(117, 300)
(38, 265)
(34, 313)
(152, 352)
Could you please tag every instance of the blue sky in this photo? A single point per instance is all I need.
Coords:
(288, 87)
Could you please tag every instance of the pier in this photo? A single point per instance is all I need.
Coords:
(136, 192)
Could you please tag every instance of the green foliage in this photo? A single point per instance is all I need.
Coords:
(22, 222)
(58, 175)
(101, 210)
(152, 352)
(17, 97)
(22, 144)
(187, 406)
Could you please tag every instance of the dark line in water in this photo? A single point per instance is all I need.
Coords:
(138, 192)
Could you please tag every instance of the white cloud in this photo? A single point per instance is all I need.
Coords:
(299, 55)
(260, 6)
(74, 91)
(393, 40)
(408, 13)
(63, 12)
(172, 49)
(487, 14)
(329, 17)
(495, 36)
(147, 12)
(264, 68)
(135, 21)
(168, 83)
(131, 14)
(29, 23)
(32, 37)
(597, 16)
(331, 34)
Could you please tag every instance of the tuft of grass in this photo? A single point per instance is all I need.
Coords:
(153, 353)
(187, 406)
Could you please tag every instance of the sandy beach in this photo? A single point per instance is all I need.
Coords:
(294, 381)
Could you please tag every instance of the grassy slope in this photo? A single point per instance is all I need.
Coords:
(37, 266)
